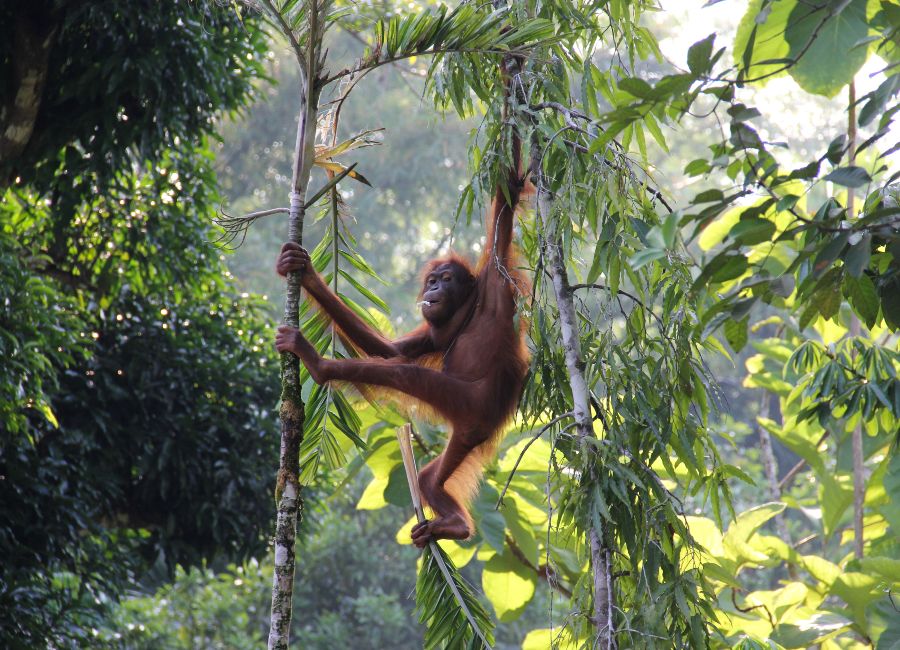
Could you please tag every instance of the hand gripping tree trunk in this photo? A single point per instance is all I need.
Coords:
(287, 491)
(601, 558)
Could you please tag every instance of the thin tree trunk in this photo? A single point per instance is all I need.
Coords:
(292, 408)
(859, 469)
(770, 466)
(33, 37)
(770, 463)
(601, 559)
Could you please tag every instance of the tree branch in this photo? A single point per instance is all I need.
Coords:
(545, 572)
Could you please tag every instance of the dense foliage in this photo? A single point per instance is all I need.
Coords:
(347, 598)
(136, 430)
(112, 88)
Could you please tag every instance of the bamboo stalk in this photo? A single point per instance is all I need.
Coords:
(404, 436)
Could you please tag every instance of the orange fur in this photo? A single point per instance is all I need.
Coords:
(467, 365)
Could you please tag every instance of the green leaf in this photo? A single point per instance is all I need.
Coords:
(856, 259)
(829, 253)
(878, 99)
(669, 229)
(653, 126)
(646, 256)
(44, 409)
(706, 533)
(558, 638)
(890, 301)
(397, 490)
(697, 167)
(754, 230)
(783, 285)
(825, 46)
(373, 496)
(759, 47)
(836, 497)
(508, 584)
(836, 149)
(888, 568)
(637, 87)
(742, 529)
(742, 113)
(808, 632)
(733, 267)
(492, 528)
(829, 298)
(699, 55)
(716, 231)
(708, 196)
(736, 333)
(863, 298)
(378, 302)
(851, 176)
(521, 531)
(447, 624)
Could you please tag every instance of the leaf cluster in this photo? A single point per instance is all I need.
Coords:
(447, 625)
(112, 89)
(134, 434)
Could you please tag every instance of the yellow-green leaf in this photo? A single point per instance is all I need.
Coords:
(508, 584)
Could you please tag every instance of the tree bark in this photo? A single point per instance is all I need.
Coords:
(287, 490)
(30, 54)
(601, 558)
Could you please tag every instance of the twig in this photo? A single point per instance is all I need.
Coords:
(366, 66)
(621, 292)
(796, 468)
(746, 610)
(420, 441)
(234, 226)
(534, 438)
(569, 114)
(545, 571)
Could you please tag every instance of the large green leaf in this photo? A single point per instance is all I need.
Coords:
(508, 584)
(742, 528)
(826, 46)
(521, 531)
(808, 631)
(858, 590)
(759, 45)
(836, 496)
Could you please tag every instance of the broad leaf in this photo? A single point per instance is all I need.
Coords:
(824, 45)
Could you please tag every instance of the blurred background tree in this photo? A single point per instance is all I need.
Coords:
(136, 430)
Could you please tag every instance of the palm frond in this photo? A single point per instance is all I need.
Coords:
(446, 602)
(466, 29)
(448, 607)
